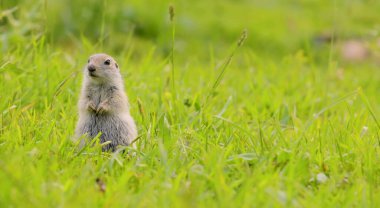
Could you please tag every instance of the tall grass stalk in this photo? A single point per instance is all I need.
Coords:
(171, 16)
(227, 62)
(102, 27)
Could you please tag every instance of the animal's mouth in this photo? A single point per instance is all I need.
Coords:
(92, 74)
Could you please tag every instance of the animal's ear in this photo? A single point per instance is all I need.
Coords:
(117, 66)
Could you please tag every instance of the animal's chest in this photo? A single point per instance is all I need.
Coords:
(100, 94)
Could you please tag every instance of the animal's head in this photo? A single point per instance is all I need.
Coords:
(101, 68)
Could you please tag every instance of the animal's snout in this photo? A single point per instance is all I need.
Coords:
(91, 68)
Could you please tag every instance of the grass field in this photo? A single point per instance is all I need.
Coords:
(287, 122)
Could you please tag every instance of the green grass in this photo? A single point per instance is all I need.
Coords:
(286, 123)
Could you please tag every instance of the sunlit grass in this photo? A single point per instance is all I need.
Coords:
(296, 130)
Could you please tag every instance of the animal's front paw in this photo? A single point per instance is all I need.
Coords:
(102, 108)
(91, 106)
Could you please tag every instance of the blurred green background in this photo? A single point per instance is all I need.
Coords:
(276, 28)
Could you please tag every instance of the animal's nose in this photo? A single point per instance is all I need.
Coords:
(91, 68)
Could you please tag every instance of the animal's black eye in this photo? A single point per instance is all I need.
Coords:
(88, 61)
(107, 62)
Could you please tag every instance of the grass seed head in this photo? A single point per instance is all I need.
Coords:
(171, 12)
(242, 38)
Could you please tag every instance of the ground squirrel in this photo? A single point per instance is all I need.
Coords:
(103, 104)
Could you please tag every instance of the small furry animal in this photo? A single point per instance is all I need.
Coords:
(103, 104)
